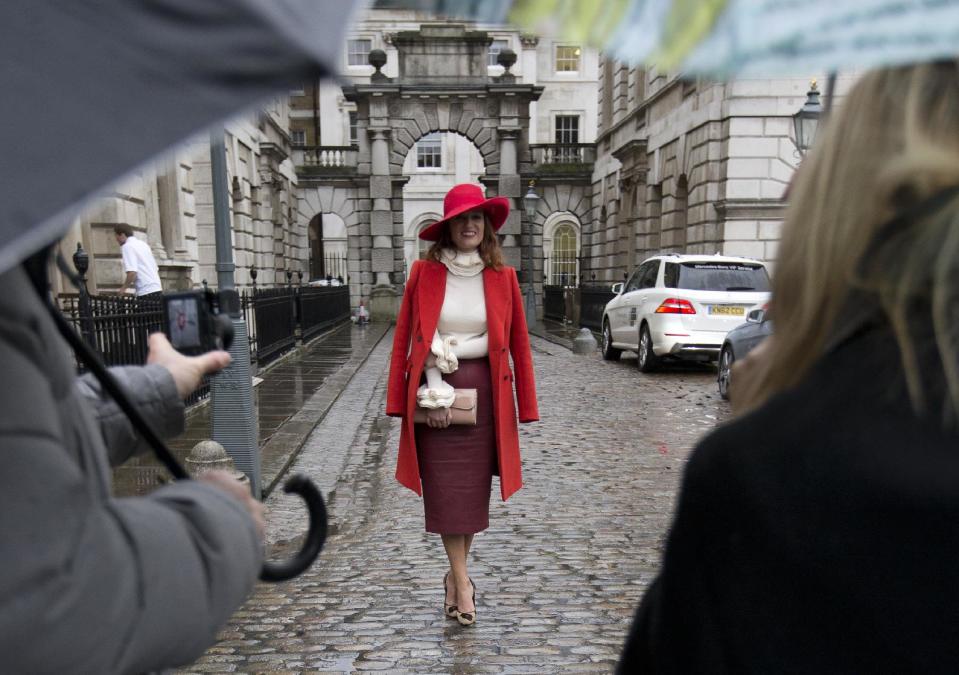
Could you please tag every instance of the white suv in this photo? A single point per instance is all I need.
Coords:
(681, 306)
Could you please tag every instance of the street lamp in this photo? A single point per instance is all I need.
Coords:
(530, 202)
(806, 121)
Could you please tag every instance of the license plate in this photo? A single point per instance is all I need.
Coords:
(727, 310)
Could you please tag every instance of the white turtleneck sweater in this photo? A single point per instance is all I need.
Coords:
(461, 330)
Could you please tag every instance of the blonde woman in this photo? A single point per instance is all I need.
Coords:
(819, 532)
(460, 321)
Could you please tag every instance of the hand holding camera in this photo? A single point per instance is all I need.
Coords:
(187, 371)
(197, 322)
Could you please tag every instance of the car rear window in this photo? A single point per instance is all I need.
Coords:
(716, 276)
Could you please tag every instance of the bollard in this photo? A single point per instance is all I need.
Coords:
(209, 456)
(584, 343)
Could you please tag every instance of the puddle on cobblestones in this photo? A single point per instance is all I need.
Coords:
(277, 398)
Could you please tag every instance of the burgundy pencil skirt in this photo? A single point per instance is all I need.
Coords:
(457, 463)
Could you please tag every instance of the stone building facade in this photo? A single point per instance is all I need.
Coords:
(689, 166)
(375, 159)
(169, 204)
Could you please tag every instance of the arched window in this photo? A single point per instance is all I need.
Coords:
(563, 269)
(561, 233)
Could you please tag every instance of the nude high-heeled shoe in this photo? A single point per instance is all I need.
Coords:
(449, 610)
(468, 618)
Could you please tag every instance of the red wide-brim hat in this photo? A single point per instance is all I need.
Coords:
(467, 197)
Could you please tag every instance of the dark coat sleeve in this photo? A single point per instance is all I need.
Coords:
(153, 392)
(675, 629)
(90, 583)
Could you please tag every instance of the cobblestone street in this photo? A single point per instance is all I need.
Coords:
(559, 572)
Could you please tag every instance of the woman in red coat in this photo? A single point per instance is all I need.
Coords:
(460, 321)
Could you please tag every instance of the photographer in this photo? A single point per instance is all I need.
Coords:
(90, 583)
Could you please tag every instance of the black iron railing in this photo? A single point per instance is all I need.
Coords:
(321, 307)
(277, 317)
(554, 303)
(271, 319)
(592, 302)
(117, 327)
(561, 268)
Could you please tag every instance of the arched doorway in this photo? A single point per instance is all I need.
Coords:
(455, 94)
(434, 164)
(328, 246)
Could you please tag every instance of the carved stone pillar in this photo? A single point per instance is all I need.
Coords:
(510, 185)
(383, 297)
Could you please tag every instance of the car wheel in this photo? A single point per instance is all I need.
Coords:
(610, 353)
(647, 360)
(726, 360)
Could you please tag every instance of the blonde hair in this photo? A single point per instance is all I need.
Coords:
(891, 145)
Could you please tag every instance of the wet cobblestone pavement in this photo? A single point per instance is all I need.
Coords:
(559, 572)
(290, 397)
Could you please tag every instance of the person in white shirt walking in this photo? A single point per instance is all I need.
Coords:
(139, 264)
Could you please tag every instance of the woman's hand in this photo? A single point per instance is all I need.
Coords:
(439, 418)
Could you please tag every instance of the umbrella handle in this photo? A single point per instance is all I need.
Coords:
(315, 534)
(298, 483)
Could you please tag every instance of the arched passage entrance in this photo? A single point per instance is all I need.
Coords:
(455, 94)
(435, 163)
(328, 246)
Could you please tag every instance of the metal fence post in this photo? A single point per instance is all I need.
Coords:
(235, 424)
(81, 261)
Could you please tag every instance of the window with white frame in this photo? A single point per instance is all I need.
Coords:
(298, 91)
(494, 49)
(563, 261)
(298, 137)
(429, 151)
(567, 138)
(354, 128)
(358, 51)
(567, 59)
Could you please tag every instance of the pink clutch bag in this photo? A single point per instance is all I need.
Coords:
(463, 408)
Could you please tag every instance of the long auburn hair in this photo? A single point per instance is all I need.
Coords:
(489, 249)
(890, 146)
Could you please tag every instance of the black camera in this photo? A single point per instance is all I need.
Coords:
(198, 321)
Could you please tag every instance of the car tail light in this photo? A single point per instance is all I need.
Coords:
(676, 306)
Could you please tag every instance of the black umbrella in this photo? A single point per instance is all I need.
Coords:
(94, 88)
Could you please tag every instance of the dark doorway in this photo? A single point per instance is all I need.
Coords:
(317, 256)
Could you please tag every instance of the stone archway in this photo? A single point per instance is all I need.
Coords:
(335, 200)
(328, 247)
(443, 86)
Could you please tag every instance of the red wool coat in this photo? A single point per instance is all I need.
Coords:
(507, 335)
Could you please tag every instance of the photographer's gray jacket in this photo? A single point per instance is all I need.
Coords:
(89, 583)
